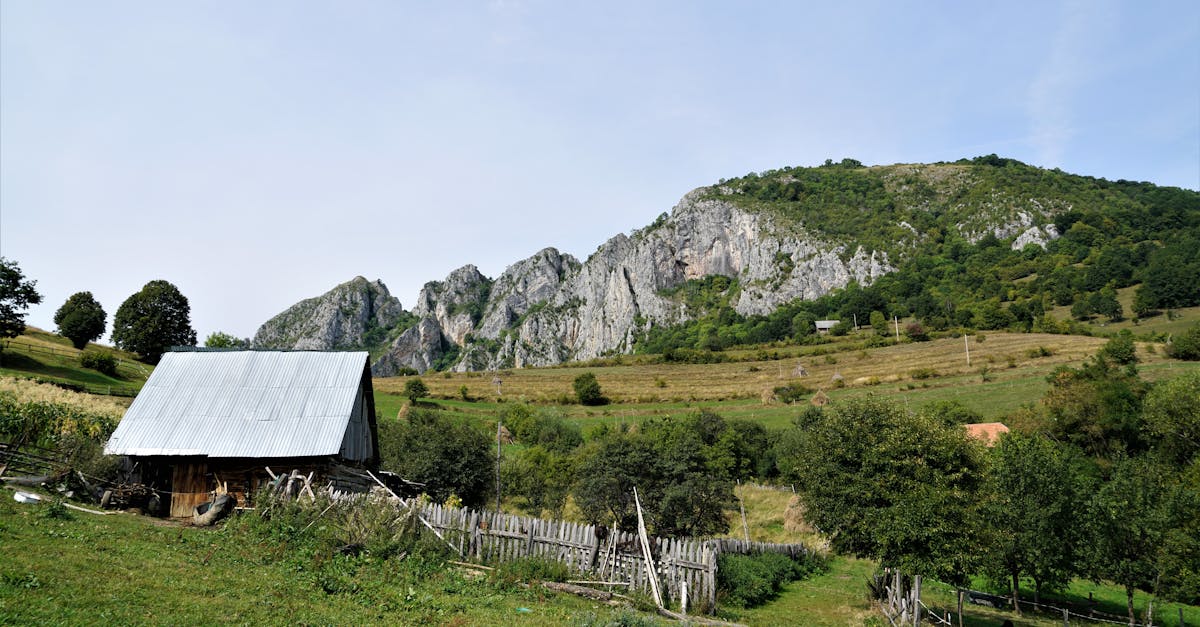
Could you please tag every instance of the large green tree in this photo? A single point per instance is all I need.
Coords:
(16, 295)
(448, 456)
(1130, 518)
(153, 320)
(1030, 507)
(81, 319)
(889, 485)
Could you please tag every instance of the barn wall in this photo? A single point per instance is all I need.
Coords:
(189, 487)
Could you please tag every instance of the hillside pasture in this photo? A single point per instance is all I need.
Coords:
(1007, 371)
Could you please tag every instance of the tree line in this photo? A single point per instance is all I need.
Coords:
(1100, 480)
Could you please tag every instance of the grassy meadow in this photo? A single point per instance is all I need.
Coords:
(48, 357)
(1007, 370)
(133, 570)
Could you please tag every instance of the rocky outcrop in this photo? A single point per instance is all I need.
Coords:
(345, 317)
(552, 308)
(419, 347)
(623, 288)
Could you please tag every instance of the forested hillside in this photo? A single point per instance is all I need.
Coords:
(967, 246)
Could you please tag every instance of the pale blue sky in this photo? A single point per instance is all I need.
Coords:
(256, 154)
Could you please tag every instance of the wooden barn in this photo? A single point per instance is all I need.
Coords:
(209, 416)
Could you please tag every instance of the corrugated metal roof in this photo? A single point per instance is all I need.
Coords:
(243, 404)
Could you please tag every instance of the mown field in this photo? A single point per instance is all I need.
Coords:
(1007, 370)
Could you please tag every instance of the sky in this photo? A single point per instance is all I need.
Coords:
(256, 154)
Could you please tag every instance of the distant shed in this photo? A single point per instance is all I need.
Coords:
(823, 326)
(987, 432)
(209, 416)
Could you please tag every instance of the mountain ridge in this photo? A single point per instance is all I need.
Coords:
(781, 236)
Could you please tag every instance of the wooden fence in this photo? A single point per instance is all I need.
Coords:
(686, 568)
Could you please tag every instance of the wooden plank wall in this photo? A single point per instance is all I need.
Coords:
(189, 488)
(616, 559)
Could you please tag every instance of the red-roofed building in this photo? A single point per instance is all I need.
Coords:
(987, 432)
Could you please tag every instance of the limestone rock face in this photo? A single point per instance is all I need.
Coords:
(418, 348)
(342, 318)
(620, 290)
(456, 303)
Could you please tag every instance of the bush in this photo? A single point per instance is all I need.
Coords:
(792, 392)
(103, 363)
(751, 580)
(587, 390)
(528, 569)
(1121, 348)
(1186, 345)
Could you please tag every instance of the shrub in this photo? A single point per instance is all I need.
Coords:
(916, 332)
(103, 363)
(528, 569)
(1121, 349)
(923, 373)
(1186, 345)
(792, 392)
(751, 580)
(587, 390)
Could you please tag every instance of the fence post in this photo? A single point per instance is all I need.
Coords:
(1066, 618)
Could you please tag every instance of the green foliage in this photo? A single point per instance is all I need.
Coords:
(1031, 512)
(56, 510)
(587, 390)
(792, 392)
(684, 469)
(541, 427)
(751, 580)
(888, 485)
(415, 389)
(528, 570)
(16, 295)
(219, 339)
(81, 319)
(1172, 416)
(1121, 348)
(1186, 345)
(1096, 408)
(448, 456)
(1110, 240)
(101, 362)
(153, 320)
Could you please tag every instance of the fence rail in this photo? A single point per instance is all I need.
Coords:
(685, 568)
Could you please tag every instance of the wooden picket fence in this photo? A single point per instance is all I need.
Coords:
(686, 568)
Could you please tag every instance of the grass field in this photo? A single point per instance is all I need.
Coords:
(129, 570)
(1007, 370)
(48, 357)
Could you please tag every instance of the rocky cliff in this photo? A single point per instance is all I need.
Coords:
(551, 308)
(354, 314)
(784, 235)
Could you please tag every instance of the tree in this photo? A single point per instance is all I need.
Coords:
(16, 295)
(81, 319)
(888, 485)
(153, 320)
(1129, 520)
(1172, 414)
(415, 389)
(448, 456)
(1120, 348)
(1030, 505)
(219, 339)
(587, 390)
(1186, 345)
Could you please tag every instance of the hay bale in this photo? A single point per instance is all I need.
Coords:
(506, 436)
(800, 371)
(767, 397)
(820, 399)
